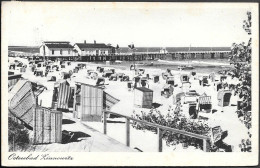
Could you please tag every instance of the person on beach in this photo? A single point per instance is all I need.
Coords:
(132, 67)
(147, 83)
(135, 85)
(129, 85)
(46, 72)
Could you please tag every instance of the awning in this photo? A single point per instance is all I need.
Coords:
(109, 101)
(205, 100)
(37, 89)
(22, 101)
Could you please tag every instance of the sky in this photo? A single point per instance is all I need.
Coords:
(146, 25)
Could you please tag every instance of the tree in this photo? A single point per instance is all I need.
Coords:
(241, 59)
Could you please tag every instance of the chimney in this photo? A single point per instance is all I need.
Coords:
(84, 41)
(94, 41)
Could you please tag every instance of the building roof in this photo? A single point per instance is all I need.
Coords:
(92, 45)
(59, 45)
(144, 89)
(91, 83)
(61, 82)
(56, 42)
(14, 76)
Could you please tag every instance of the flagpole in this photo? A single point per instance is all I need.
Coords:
(133, 53)
(134, 56)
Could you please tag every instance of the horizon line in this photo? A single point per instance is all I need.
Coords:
(127, 46)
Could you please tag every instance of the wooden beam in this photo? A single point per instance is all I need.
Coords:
(127, 124)
(74, 103)
(159, 136)
(205, 145)
(162, 127)
(104, 122)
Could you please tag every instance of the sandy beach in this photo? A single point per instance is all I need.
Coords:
(227, 119)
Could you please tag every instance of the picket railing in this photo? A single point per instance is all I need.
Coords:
(160, 130)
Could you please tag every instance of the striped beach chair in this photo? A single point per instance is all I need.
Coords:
(205, 103)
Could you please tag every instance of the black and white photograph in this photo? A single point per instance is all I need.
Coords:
(90, 80)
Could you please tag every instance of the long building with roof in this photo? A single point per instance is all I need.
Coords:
(57, 49)
(93, 49)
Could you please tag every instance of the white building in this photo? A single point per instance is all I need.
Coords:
(93, 49)
(57, 49)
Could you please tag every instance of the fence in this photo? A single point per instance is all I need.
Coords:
(160, 130)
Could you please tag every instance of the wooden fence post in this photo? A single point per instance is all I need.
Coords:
(75, 115)
(14, 143)
(104, 122)
(205, 145)
(159, 135)
(127, 124)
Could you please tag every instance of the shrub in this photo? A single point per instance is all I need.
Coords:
(174, 119)
(18, 136)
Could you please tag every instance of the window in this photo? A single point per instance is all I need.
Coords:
(69, 51)
(60, 51)
(52, 51)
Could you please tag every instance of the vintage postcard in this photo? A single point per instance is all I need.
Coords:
(129, 84)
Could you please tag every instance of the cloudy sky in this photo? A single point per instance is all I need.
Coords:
(146, 25)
